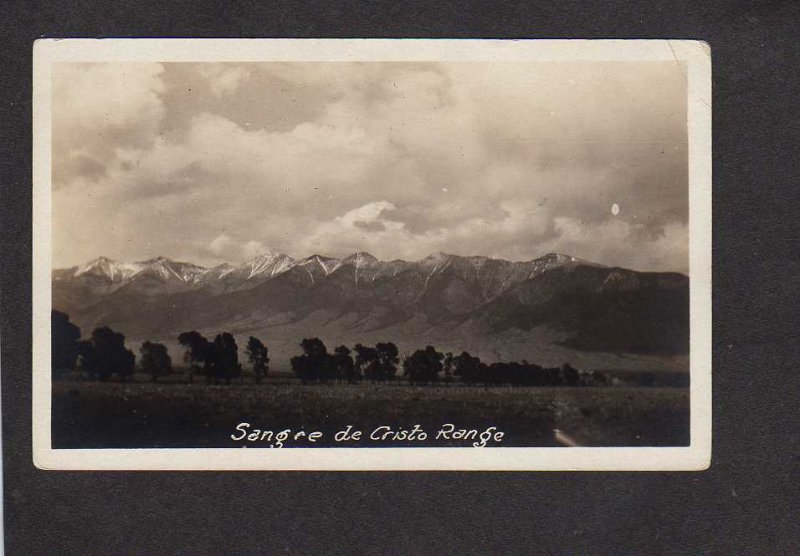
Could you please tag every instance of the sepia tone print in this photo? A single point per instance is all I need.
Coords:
(435, 254)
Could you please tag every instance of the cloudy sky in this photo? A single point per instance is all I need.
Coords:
(213, 162)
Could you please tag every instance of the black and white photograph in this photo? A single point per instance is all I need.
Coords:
(459, 254)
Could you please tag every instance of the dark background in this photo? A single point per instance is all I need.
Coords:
(747, 502)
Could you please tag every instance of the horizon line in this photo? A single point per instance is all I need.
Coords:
(361, 252)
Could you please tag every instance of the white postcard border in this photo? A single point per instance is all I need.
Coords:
(696, 57)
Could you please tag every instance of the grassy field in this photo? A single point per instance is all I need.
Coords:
(142, 415)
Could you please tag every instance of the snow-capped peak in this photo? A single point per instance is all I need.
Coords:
(163, 274)
(113, 270)
(267, 264)
(437, 260)
(438, 257)
(157, 260)
(360, 259)
(327, 264)
(558, 258)
(120, 272)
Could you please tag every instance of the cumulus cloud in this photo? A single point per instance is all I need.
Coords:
(227, 248)
(213, 162)
(370, 212)
(222, 80)
(221, 245)
(98, 108)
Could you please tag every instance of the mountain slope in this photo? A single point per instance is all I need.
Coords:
(492, 306)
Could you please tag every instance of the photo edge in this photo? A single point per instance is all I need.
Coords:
(47, 458)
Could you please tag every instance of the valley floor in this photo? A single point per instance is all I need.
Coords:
(147, 415)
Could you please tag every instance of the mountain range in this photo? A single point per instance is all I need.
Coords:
(550, 309)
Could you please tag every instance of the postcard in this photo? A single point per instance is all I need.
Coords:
(372, 254)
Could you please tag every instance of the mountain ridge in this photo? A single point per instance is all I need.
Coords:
(115, 273)
(480, 304)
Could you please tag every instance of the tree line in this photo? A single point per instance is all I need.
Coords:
(217, 361)
(427, 366)
(104, 354)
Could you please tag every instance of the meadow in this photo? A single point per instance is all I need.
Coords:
(178, 415)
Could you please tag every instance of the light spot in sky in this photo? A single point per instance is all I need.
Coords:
(615, 209)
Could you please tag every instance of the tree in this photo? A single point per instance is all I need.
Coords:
(197, 350)
(224, 359)
(570, 376)
(466, 367)
(257, 353)
(387, 360)
(551, 376)
(105, 354)
(299, 365)
(599, 379)
(366, 361)
(449, 365)
(87, 356)
(315, 363)
(155, 360)
(127, 363)
(64, 338)
(345, 366)
(423, 365)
